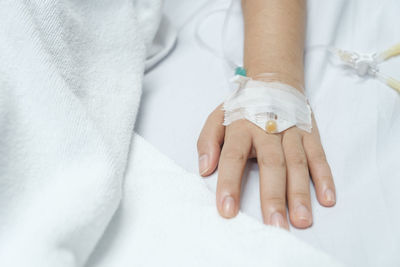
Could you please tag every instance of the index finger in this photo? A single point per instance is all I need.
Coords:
(231, 166)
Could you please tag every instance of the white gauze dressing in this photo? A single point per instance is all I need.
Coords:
(272, 106)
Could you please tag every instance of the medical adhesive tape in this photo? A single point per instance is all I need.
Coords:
(273, 106)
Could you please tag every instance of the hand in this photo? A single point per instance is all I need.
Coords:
(285, 161)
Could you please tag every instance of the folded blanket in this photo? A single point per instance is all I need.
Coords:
(168, 218)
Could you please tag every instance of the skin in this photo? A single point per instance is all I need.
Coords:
(274, 43)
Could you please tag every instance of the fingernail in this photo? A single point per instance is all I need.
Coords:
(228, 207)
(303, 214)
(330, 196)
(203, 164)
(277, 220)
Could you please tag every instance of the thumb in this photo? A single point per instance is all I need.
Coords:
(210, 142)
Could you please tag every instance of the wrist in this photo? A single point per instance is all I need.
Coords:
(273, 75)
(286, 71)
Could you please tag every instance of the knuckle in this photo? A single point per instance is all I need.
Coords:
(228, 186)
(298, 161)
(319, 158)
(293, 132)
(300, 195)
(275, 201)
(240, 125)
(273, 160)
(323, 179)
(234, 155)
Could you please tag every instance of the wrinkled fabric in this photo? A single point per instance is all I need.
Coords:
(70, 84)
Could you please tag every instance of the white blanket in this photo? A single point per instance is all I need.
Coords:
(168, 218)
(70, 85)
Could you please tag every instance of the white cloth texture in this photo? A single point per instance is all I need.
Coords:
(168, 218)
(70, 78)
(358, 119)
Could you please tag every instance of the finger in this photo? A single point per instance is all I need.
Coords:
(210, 141)
(272, 166)
(231, 166)
(298, 179)
(320, 171)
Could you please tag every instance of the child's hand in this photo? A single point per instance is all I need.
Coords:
(284, 159)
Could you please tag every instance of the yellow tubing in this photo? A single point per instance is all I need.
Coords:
(395, 84)
(391, 52)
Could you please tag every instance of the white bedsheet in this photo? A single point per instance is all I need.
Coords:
(359, 121)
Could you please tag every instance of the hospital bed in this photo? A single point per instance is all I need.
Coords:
(358, 118)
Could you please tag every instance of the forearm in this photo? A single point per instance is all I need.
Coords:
(274, 38)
